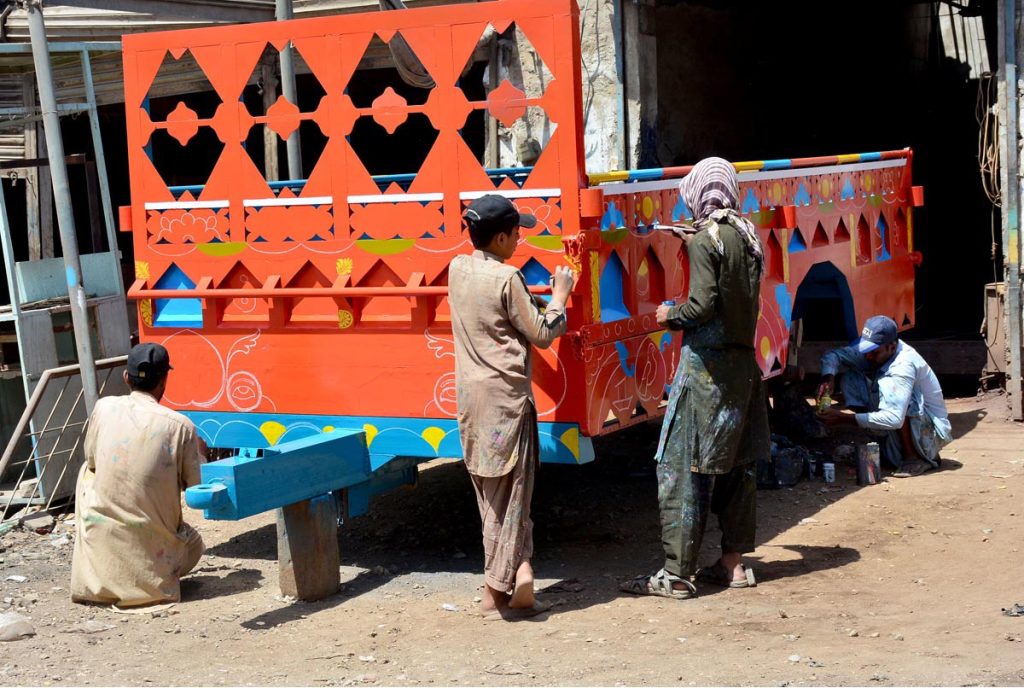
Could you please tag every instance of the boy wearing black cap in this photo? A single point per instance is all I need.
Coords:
(495, 320)
(132, 546)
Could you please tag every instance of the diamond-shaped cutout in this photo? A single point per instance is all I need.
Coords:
(184, 150)
(396, 66)
(264, 98)
(407, 148)
(511, 93)
(188, 167)
(181, 80)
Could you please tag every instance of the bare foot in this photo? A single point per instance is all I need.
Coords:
(492, 601)
(522, 596)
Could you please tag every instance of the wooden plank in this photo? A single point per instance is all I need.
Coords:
(268, 73)
(307, 548)
(111, 322)
(45, 199)
(32, 174)
(946, 357)
(92, 188)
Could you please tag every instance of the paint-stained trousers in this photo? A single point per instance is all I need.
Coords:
(687, 497)
(505, 512)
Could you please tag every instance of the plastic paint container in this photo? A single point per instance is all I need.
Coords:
(828, 470)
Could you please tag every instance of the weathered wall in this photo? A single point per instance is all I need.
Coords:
(601, 93)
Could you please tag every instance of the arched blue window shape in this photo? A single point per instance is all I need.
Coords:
(613, 306)
(536, 275)
(177, 312)
(883, 239)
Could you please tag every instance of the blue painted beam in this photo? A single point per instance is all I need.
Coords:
(242, 486)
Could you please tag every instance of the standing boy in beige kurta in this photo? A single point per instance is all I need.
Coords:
(495, 320)
(132, 545)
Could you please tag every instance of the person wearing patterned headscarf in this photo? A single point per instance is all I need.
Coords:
(716, 423)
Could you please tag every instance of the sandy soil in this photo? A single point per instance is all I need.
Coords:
(898, 583)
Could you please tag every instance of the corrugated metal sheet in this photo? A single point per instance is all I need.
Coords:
(81, 20)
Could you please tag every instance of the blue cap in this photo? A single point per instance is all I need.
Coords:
(878, 331)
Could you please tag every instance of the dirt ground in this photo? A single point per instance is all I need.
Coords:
(900, 583)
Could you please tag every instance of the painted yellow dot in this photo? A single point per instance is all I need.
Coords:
(766, 348)
(345, 319)
(648, 207)
(328, 428)
(343, 266)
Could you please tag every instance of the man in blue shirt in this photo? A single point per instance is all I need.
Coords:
(895, 393)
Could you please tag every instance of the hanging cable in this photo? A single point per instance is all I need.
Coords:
(987, 117)
(988, 138)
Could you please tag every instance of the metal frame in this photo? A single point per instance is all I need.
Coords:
(65, 373)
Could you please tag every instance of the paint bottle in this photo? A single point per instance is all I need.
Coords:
(828, 470)
(869, 464)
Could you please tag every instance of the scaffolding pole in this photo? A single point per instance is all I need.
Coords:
(62, 200)
(288, 88)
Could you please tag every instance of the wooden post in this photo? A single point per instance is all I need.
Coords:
(493, 155)
(45, 199)
(307, 548)
(268, 75)
(92, 188)
(28, 89)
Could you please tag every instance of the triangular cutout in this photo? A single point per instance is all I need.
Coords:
(796, 241)
(820, 237)
(244, 310)
(177, 312)
(842, 233)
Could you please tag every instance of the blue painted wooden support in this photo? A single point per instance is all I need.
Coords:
(390, 474)
(242, 486)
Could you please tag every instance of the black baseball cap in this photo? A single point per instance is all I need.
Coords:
(495, 213)
(146, 361)
(878, 331)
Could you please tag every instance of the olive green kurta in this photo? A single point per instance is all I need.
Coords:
(716, 422)
(716, 416)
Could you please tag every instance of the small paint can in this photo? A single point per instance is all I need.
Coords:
(869, 464)
(828, 471)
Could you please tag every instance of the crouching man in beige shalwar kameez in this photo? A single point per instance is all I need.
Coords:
(132, 546)
(495, 320)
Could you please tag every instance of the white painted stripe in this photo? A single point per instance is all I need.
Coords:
(264, 202)
(186, 205)
(662, 184)
(395, 198)
(517, 193)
